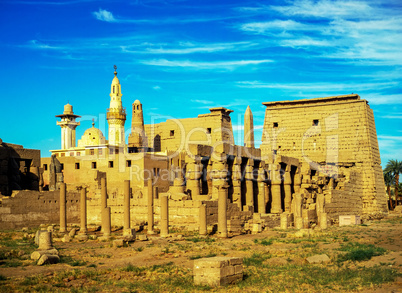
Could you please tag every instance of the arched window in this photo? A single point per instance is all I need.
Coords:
(113, 89)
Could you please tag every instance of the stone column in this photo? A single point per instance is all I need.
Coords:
(222, 212)
(83, 211)
(45, 240)
(106, 222)
(63, 213)
(193, 176)
(276, 207)
(203, 220)
(261, 191)
(298, 210)
(164, 216)
(284, 221)
(150, 208)
(103, 193)
(249, 183)
(40, 174)
(126, 222)
(324, 221)
(297, 180)
(236, 181)
(287, 181)
(103, 200)
(219, 175)
(209, 177)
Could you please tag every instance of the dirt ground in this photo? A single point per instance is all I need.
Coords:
(283, 247)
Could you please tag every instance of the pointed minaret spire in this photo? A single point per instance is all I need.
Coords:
(116, 114)
(248, 128)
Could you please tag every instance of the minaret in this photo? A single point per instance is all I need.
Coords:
(116, 114)
(137, 139)
(68, 125)
(248, 128)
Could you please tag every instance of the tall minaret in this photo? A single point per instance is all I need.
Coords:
(68, 125)
(137, 140)
(116, 114)
(248, 128)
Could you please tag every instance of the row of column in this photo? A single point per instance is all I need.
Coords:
(106, 213)
(218, 178)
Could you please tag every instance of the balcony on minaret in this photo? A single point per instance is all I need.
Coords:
(119, 114)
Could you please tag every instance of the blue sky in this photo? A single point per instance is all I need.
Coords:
(180, 58)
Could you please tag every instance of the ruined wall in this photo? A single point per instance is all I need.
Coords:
(339, 131)
(18, 168)
(83, 170)
(176, 134)
(27, 208)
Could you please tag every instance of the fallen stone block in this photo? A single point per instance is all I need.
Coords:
(48, 259)
(38, 253)
(118, 243)
(218, 271)
(72, 232)
(318, 258)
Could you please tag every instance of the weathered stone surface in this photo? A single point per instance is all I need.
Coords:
(218, 271)
(318, 258)
(48, 259)
(38, 253)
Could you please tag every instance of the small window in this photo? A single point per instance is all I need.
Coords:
(209, 130)
(62, 166)
(93, 165)
(276, 124)
(316, 122)
(137, 107)
(113, 89)
(92, 152)
(110, 164)
(111, 151)
(78, 154)
(77, 166)
(100, 152)
(128, 163)
(71, 154)
(117, 151)
(62, 154)
(171, 132)
(45, 167)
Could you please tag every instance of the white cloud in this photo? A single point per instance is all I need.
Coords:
(275, 25)
(305, 42)
(104, 15)
(157, 87)
(203, 65)
(377, 99)
(35, 44)
(314, 87)
(205, 102)
(186, 48)
(325, 9)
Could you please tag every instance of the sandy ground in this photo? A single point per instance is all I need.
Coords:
(386, 233)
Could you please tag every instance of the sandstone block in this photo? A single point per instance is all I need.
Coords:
(318, 258)
(218, 271)
(48, 259)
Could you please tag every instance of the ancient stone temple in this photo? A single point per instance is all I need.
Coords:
(319, 160)
(336, 137)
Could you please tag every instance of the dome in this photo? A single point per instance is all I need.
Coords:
(137, 102)
(91, 137)
(68, 109)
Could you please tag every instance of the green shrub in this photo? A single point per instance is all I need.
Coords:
(359, 252)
